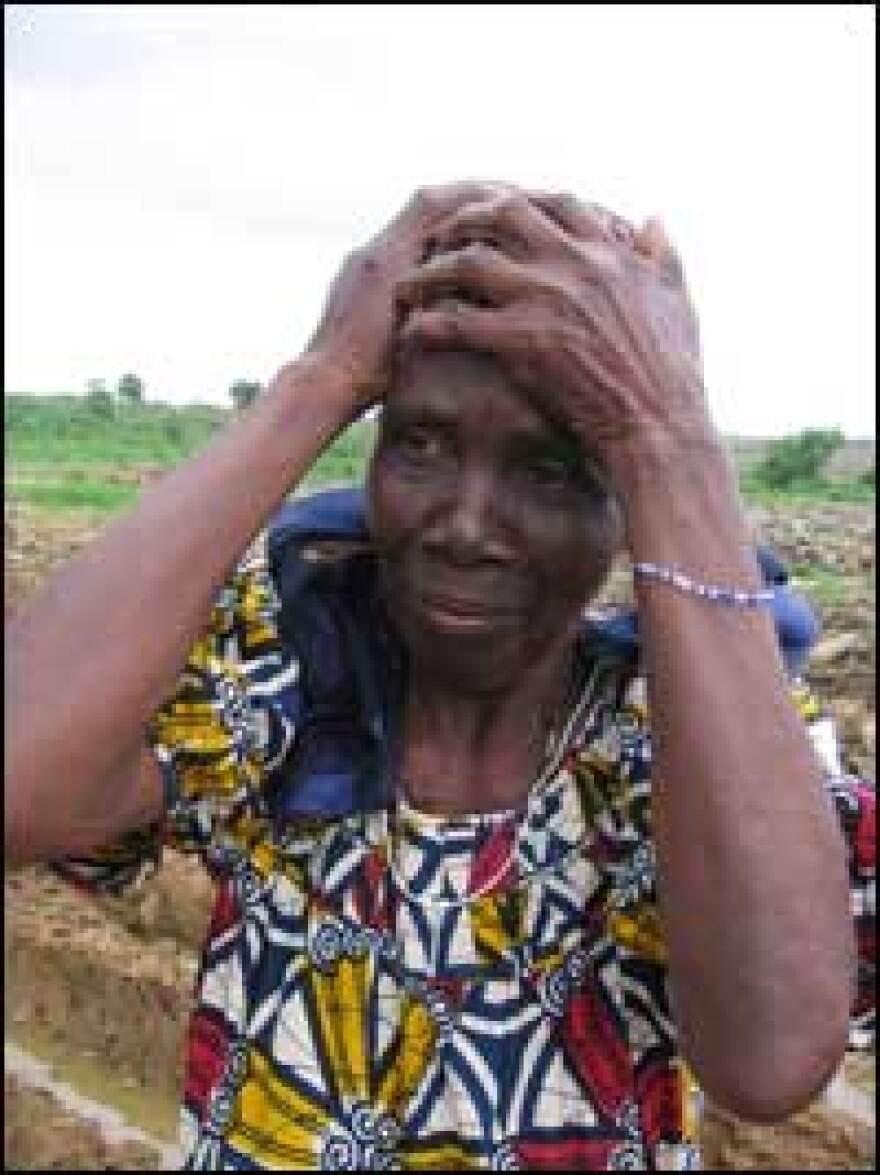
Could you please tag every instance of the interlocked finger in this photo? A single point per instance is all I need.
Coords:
(477, 273)
(586, 221)
(442, 199)
(569, 213)
(510, 223)
(455, 325)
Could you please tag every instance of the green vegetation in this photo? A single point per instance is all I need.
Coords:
(69, 489)
(70, 430)
(130, 387)
(92, 454)
(855, 489)
(797, 460)
(792, 470)
(100, 402)
(347, 458)
(826, 588)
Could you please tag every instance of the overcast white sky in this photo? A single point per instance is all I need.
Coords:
(182, 182)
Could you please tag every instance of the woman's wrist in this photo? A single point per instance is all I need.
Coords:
(319, 385)
(682, 509)
(649, 459)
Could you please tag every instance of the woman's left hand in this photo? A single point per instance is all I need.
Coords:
(590, 316)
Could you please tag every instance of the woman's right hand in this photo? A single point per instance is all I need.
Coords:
(589, 313)
(355, 334)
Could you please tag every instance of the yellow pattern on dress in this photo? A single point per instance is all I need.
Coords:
(415, 1045)
(341, 1001)
(497, 923)
(273, 1122)
(640, 930)
(448, 1156)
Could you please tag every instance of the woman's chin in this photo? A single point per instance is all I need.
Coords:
(474, 658)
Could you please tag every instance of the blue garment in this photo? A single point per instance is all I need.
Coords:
(347, 694)
(797, 625)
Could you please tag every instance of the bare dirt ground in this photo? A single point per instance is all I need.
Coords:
(100, 990)
(67, 1143)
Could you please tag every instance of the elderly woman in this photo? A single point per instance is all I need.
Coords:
(490, 886)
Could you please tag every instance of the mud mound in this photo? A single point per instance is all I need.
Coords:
(817, 1139)
(174, 906)
(40, 1135)
(836, 536)
(34, 545)
(79, 982)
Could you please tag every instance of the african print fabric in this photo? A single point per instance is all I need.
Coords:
(395, 990)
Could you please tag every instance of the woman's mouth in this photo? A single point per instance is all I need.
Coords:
(465, 615)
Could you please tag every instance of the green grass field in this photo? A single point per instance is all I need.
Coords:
(824, 489)
(65, 454)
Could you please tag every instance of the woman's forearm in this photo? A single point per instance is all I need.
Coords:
(95, 652)
(751, 868)
(91, 656)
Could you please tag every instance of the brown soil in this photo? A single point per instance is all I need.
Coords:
(78, 979)
(40, 1135)
(101, 989)
(34, 544)
(813, 1140)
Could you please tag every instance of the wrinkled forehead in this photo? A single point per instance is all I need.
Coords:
(466, 384)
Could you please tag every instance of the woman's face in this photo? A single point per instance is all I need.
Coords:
(490, 534)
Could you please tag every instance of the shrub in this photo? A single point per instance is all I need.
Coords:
(796, 460)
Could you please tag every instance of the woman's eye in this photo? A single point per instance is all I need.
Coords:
(549, 471)
(418, 444)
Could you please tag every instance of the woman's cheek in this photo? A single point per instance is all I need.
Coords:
(395, 507)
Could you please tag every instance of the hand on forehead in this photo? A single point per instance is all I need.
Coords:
(589, 314)
(483, 254)
(510, 216)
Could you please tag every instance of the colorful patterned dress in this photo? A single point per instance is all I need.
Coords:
(395, 990)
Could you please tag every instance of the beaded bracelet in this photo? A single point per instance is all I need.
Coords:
(718, 595)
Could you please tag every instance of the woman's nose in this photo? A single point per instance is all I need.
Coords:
(471, 527)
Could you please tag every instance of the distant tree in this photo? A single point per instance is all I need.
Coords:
(131, 388)
(99, 400)
(244, 391)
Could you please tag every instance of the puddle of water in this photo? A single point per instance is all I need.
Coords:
(113, 1127)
